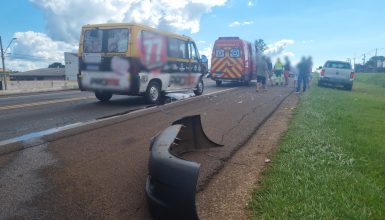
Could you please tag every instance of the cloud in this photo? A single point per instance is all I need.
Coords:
(65, 17)
(36, 50)
(288, 54)
(250, 3)
(278, 47)
(237, 23)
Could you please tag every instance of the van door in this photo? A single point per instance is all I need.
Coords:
(195, 66)
(178, 63)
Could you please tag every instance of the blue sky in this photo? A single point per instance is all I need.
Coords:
(323, 29)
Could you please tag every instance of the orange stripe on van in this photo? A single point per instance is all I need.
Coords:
(236, 64)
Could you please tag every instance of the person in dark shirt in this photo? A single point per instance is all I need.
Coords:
(303, 75)
(286, 70)
(270, 70)
(262, 70)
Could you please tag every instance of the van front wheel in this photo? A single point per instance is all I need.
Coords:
(199, 89)
(153, 93)
(103, 96)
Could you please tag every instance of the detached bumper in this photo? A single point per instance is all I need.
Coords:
(172, 181)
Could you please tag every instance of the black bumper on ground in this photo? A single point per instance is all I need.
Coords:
(172, 181)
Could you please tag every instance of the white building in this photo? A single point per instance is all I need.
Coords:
(71, 65)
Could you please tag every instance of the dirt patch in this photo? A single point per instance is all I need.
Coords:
(227, 193)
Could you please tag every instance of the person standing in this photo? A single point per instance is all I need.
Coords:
(270, 70)
(286, 70)
(262, 70)
(310, 70)
(278, 72)
(303, 76)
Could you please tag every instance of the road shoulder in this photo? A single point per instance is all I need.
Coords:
(227, 193)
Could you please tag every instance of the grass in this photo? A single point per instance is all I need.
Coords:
(331, 162)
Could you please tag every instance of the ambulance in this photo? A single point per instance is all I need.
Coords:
(233, 60)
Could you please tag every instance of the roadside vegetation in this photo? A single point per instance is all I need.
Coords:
(331, 162)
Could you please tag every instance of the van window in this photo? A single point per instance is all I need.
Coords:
(93, 41)
(235, 53)
(194, 52)
(219, 53)
(116, 40)
(177, 48)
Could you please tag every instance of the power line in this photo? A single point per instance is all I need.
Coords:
(27, 56)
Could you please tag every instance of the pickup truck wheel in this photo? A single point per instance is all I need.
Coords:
(103, 96)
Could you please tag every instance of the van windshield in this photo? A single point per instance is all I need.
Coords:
(107, 41)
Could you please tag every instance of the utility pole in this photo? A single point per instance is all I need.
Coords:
(3, 79)
(376, 53)
(363, 63)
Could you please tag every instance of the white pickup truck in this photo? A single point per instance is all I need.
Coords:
(337, 73)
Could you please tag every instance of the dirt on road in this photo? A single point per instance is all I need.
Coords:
(227, 193)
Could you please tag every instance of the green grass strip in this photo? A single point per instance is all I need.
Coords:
(331, 162)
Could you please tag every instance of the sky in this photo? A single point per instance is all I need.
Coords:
(325, 30)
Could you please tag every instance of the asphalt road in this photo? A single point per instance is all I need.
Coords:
(28, 113)
(99, 171)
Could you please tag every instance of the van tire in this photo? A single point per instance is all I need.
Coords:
(218, 82)
(103, 96)
(199, 88)
(153, 93)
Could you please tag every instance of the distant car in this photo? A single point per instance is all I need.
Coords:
(337, 73)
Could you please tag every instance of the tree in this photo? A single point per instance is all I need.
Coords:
(56, 65)
(375, 64)
(260, 46)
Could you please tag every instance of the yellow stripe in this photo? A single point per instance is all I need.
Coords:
(220, 62)
(230, 74)
(178, 59)
(222, 65)
(237, 73)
